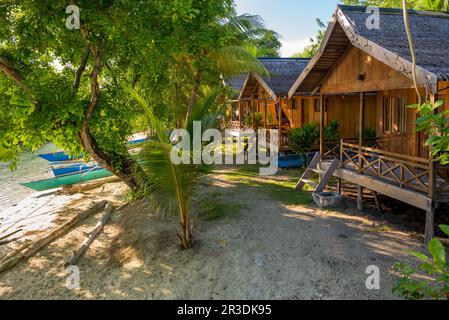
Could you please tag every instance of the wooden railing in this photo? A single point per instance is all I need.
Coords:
(402, 170)
(234, 124)
(332, 146)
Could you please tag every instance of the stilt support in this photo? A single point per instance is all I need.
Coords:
(359, 198)
(430, 228)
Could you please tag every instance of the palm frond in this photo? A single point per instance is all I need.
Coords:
(235, 60)
(175, 182)
(206, 111)
(246, 24)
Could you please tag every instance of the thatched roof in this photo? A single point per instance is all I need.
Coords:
(388, 44)
(236, 83)
(283, 73)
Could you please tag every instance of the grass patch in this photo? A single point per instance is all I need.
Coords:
(283, 191)
(286, 193)
(211, 208)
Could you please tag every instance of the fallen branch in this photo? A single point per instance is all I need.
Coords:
(31, 247)
(91, 236)
(3, 242)
(10, 234)
(69, 190)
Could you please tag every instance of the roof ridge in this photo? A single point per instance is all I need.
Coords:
(287, 59)
(440, 14)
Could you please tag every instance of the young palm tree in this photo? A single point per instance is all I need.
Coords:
(176, 183)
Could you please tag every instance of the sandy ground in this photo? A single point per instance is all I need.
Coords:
(267, 251)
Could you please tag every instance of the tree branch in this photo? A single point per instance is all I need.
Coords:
(94, 86)
(12, 73)
(80, 71)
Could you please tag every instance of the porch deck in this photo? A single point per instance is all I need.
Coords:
(413, 180)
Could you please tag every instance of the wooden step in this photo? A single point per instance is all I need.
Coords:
(308, 172)
(319, 171)
(328, 175)
(311, 183)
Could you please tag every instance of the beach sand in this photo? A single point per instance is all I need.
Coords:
(268, 250)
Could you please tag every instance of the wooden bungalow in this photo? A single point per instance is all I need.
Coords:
(263, 103)
(364, 80)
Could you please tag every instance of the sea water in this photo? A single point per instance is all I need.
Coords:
(30, 168)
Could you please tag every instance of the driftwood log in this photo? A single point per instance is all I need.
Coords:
(73, 260)
(31, 247)
(79, 188)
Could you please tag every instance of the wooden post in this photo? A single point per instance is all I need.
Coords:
(430, 221)
(226, 116)
(359, 198)
(253, 119)
(321, 126)
(292, 123)
(430, 215)
(265, 114)
(240, 114)
(340, 181)
(360, 188)
(433, 99)
(361, 116)
(280, 122)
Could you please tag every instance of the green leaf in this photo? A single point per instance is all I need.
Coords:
(418, 255)
(445, 229)
(437, 251)
(438, 104)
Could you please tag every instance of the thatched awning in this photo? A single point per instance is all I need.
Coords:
(282, 74)
(236, 83)
(388, 44)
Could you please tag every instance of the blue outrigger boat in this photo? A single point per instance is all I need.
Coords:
(74, 168)
(61, 156)
(58, 157)
(67, 180)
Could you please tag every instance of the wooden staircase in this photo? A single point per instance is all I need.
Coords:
(325, 175)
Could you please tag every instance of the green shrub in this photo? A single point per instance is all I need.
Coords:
(258, 120)
(435, 287)
(367, 133)
(302, 140)
(332, 130)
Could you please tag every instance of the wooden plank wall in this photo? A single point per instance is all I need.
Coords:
(345, 109)
(407, 142)
(344, 75)
(309, 113)
(443, 93)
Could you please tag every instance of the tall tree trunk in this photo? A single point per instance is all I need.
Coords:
(126, 168)
(195, 89)
(129, 170)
